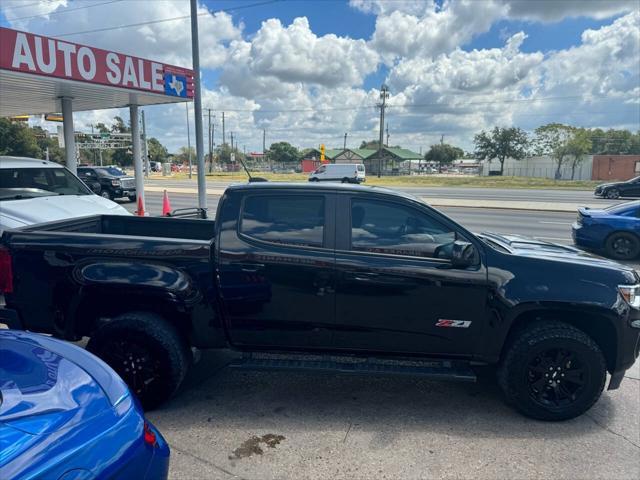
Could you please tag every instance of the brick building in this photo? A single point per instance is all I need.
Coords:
(615, 167)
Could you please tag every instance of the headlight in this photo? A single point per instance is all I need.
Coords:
(115, 183)
(631, 295)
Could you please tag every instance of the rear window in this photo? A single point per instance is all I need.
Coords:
(286, 219)
(23, 183)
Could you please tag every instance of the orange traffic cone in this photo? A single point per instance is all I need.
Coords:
(140, 211)
(166, 206)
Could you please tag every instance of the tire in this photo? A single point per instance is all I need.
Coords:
(537, 370)
(150, 343)
(622, 246)
(132, 198)
(106, 194)
(314, 180)
(612, 194)
(345, 180)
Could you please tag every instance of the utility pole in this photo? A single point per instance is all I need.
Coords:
(384, 94)
(145, 145)
(224, 138)
(387, 144)
(210, 144)
(188, 140)
(232, 141)
(197, 100)
(345, 141)
(442, 139)
(264, 141)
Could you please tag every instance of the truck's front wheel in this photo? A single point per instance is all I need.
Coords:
(552, 371)
(147, 352)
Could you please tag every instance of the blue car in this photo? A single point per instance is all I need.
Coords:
(614, 231)
(66, 415)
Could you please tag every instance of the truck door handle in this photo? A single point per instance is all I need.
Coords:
(251, 267)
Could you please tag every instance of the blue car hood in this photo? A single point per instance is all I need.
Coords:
(47, 385)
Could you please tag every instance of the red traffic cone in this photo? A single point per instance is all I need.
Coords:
(166, 206)
(140, 211)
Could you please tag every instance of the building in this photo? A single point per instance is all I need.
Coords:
(353, 155)
(539, 167)
(393, 161)
(615, 167)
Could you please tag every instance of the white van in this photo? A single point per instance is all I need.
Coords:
(339, 172)
(35, 191)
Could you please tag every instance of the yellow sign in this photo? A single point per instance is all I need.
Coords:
(322, 153)
(53, 117)
(20, 118)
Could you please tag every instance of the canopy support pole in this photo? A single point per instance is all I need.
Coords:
(137, 156)
(69, 139)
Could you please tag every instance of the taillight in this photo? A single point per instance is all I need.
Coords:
(149, 435)
(6, 272)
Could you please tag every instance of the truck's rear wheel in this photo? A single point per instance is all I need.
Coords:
(147, 352)
(552, 371)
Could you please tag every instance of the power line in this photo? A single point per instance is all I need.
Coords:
(163, 20)
(58, 12)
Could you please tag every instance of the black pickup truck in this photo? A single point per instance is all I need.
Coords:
(337, 278)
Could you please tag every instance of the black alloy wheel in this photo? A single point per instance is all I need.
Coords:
(556, 378)
(612, 193)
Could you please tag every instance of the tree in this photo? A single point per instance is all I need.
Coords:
(157, 151)
(578, 146)
(553, 139)
(443, 154)
(183, 155)
(501, 143)
(284, 152)
(371, 144)
(18, 139)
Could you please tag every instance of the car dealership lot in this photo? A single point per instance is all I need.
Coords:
(227, 423)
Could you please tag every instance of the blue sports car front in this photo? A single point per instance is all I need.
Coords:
(613, 231)
(65, 415)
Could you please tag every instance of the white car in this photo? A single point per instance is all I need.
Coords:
(339, 172)
(36, 191)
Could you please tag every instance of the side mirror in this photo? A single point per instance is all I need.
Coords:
(463, 254)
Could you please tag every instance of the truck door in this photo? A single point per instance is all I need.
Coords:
(276, 268)
(396, 289)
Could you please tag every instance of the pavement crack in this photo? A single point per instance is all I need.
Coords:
(206, 462)
(604, 427)
(347, 434)
(633, 378)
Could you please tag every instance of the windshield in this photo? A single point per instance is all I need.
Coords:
(623, 208)
(114, 171)
(22, 183)
(634, 180)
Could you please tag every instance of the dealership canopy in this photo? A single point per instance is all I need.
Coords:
(40, 75)
(36, 72)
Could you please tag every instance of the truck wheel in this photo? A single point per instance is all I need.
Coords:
(133, 198)
(106, 194)
(147, 352)
(345, 180)
(552, 371)
(622, 246)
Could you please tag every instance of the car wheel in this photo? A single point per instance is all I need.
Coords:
(622, 246)
(345, 180)
(612, 194)
(147, 352)
(133, 198)
(552, 371)
(106, 194)
(314, 180)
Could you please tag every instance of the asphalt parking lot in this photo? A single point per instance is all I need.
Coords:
(227, 423)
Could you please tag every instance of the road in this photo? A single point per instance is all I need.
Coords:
(466, 193)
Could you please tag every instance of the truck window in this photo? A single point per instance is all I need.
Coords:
(23, 183)
(288, 219)
(385, 227)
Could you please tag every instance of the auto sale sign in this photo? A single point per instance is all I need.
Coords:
(39, 55)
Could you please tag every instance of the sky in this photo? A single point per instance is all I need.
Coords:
(309, 71)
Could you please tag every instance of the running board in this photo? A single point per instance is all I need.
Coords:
(436, 369)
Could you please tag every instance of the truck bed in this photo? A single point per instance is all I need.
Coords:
(153, 227)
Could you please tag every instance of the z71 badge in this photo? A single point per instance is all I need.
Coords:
(453, 323)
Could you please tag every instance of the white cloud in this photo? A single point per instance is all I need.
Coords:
(555, 10)
(294, 54)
